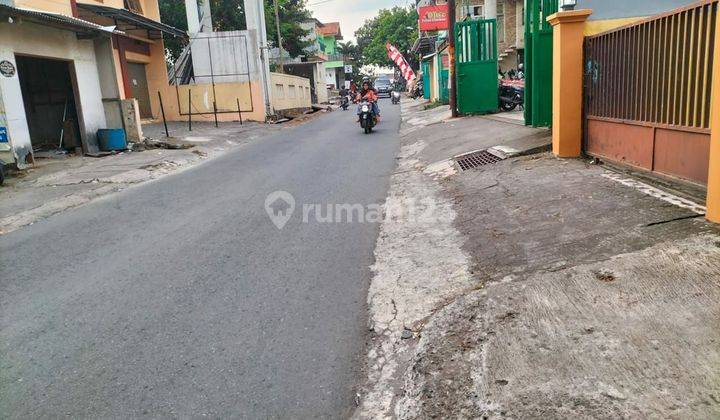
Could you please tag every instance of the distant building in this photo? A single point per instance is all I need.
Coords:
(320, 62)
(329, 35)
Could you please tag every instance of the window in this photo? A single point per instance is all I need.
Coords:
(280, 91)
(501, 22)
(291, 91)
(472, 12)
(478, 12)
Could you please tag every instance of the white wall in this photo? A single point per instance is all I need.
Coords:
(225, 55)
(320, 86)
(5, 151)
(290, 92)
(42, 41)
(330, 76)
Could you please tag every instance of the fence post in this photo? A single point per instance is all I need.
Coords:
(239, 112)
(215, 113)
(567, 87)
(189, 109)
(713, 190)
(162, 110)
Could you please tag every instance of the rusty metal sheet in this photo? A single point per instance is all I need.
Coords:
(682, 154)
(624, 143)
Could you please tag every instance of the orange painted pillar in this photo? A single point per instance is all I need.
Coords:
(713, 190)
(568, 40)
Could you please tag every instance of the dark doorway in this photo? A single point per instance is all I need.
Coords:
(306, 70)
(50, 105)
(139, 88)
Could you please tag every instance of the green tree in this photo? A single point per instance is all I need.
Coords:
(397, 26)
(172, 12)
(350, 52)
(351, 55)
(292, 12)
(229, 15)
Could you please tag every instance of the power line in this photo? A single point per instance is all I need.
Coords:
(319, 2)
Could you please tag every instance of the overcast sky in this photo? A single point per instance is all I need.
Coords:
(350, 13)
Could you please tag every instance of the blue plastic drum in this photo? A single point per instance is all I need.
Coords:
(112, 139)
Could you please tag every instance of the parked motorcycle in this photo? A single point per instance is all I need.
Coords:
(395, 97)
(511, 96)
(368, 119)
(417, 92)
(344, 102)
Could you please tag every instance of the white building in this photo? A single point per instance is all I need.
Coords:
(56, 75)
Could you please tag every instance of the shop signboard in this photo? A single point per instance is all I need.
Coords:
(433, 18)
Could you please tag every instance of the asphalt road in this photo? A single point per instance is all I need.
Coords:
(180, 298)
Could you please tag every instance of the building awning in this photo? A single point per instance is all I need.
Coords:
(424, 45)
(82, 28)
(127, 20)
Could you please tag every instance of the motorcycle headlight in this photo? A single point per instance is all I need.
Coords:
(365, 108)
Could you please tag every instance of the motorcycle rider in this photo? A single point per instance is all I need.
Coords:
(353, 90)
(368, 93)
(344, 98)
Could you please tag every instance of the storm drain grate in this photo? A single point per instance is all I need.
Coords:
(476, 159)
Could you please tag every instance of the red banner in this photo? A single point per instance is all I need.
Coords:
(434, 18)
(397, 58)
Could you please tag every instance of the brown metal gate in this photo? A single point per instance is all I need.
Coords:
(647, 92)
(139, 88)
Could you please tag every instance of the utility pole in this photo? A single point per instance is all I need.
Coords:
(281, 69)
(255, 21)
(451, 52)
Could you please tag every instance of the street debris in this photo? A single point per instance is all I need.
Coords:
(604, 276)
(170, 143)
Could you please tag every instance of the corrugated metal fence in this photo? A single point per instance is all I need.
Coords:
(656, 73)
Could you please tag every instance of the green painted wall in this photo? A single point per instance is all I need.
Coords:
(426, 78)
(333, 64)
(330, 44)
(538, 62)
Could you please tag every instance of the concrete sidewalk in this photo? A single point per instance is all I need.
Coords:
(557, 289)
(60, 182)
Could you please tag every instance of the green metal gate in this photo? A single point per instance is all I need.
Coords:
(538, 62)
(477, 66)
(426, 78)
(443, 73)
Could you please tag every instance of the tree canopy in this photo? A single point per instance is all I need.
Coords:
(397, 26)
(229, 15)
(349, 51)
(292, 12)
